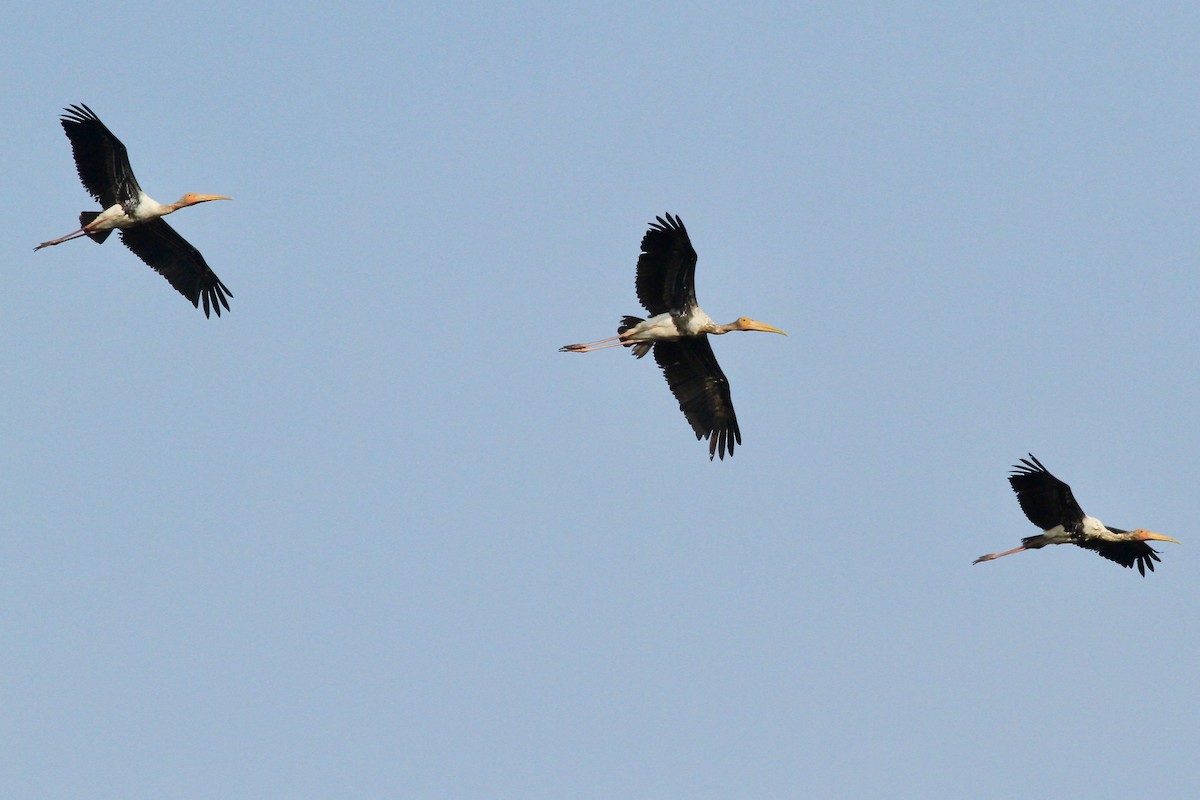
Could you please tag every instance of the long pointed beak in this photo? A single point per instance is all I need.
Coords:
(202, 198)
(755, 325)
(1158, 537)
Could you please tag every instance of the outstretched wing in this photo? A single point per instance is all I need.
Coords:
(666, 268)
(100, 158)
(158, 244)
(1045, 499)
(702, 390)
(1125, 553)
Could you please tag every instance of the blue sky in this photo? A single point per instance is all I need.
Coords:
(370, 535)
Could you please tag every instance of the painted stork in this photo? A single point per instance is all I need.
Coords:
(104, 170)
(1049, 504)
(677, 330)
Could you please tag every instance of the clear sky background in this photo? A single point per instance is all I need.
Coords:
(369, 535)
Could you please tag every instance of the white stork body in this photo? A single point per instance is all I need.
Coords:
(1089, 528)
(669, 328)
(115, 216)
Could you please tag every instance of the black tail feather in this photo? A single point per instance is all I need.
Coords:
(639, 348)
(86, 217)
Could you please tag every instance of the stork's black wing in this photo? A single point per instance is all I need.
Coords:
(666, 268)
(100, 158)
(1045, 499)
(1125, 553)
(702, 390)
(158, 244)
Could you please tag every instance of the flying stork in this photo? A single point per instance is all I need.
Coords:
(677, 330)
(104, 170)
(1049, 504)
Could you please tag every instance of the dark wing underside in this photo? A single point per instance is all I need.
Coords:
(1045, 499)
(1125, 553)
(666, 268)
(158, 244)
(100, 158)
(702, 390)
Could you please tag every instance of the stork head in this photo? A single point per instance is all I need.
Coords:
(1150, 536)
(191, 199)
(747, 324)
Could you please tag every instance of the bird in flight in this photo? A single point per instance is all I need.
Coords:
(1050, 505)
(677, 330)
(104, 170)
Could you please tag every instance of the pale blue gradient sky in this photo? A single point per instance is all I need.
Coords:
(369, 535)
